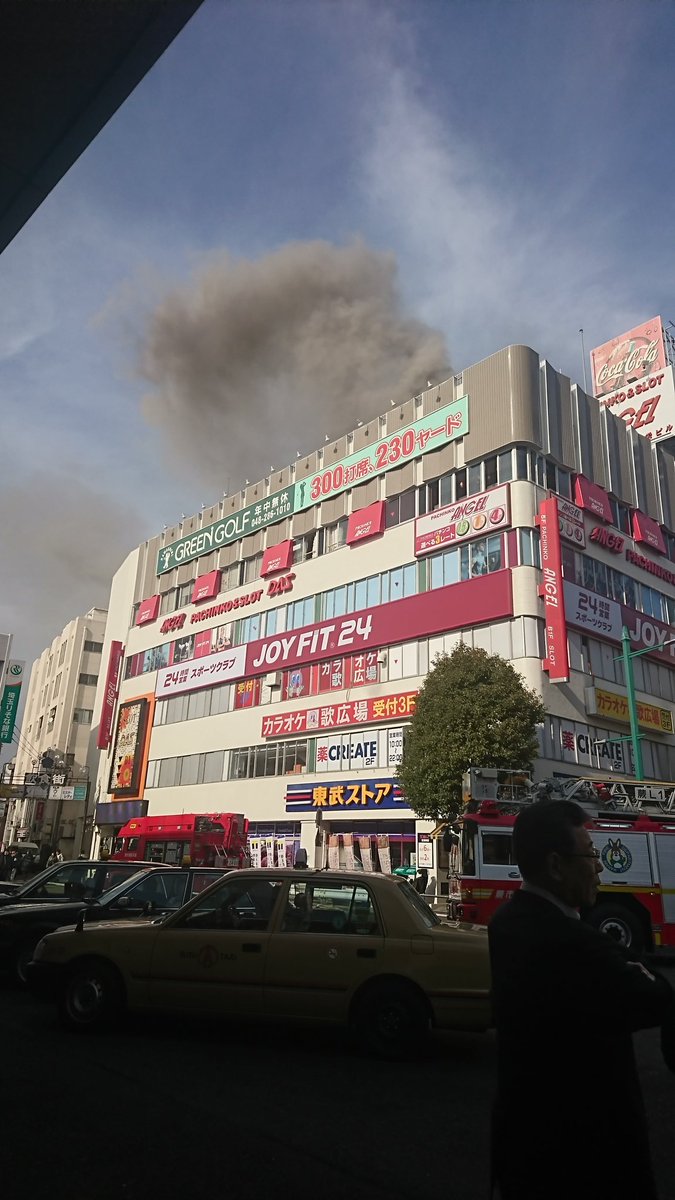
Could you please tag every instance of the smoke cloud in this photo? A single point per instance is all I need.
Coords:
(253, 360)
(60, 544)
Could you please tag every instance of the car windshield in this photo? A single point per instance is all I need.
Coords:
(421, 907)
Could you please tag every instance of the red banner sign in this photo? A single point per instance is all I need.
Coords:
(593, 498)
(110, 695)
(148, 610)
(647, 530)
(556, 662)
(458, 606)
(277, 558)
(396, 707)
(366, 523)
(206, 587)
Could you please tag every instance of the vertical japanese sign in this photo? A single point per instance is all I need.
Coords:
(130, 748)
(556, 662)
(110, 695)
(9, 706)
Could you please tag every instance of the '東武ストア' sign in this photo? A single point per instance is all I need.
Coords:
(227, 529)
(339, 796)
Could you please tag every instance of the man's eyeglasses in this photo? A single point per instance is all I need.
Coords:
(590, 854)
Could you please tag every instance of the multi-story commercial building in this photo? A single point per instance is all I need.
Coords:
(263, 657)
(58, 719)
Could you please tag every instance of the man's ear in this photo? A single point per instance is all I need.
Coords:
(554, 866)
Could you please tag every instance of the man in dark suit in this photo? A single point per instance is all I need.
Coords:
(569, 1121)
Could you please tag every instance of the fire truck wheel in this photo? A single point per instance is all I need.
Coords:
(392, 1019)
(620, 923)
(92, 996)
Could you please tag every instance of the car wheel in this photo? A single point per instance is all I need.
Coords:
(393, 1020)
(23, 956)
(92, 996)
(620, 924)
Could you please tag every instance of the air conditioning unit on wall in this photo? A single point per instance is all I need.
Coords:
(273, 679)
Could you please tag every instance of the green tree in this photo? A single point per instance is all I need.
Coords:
(472, 710)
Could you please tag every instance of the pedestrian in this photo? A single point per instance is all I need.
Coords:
(568, 1120)
(421, 881)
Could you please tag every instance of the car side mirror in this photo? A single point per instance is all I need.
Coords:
(123, 902)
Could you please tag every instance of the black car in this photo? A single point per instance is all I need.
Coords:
(153, 892)
(79, 879)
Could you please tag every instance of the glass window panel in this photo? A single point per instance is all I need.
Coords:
(239, 763)
(167, 772)
(384, 598)
(522, 463)
(421, 500)
(494, 553)
(491, 471)
(407, 505)
(189, 770)
(361, 594)
(504, 467)
(475, 478)
(433, 495)
(213, 766)
(445, 490)
(198, 705)
(601, 579)
(391, 515)
(396, 583)
(450, 562)
(152, 773)
(373, 596)
(589, 573)
(564, 483)
(340, 606)
(630, 591)
(479, 557)
(410, 580)
(525, 541)
(464, 568)
(550, 475)
(328, 601)
(437, 579)
(460, 484)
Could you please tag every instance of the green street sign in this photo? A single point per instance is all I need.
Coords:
(256, 516)
(8, 710)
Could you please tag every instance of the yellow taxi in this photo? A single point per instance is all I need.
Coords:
(302, 945)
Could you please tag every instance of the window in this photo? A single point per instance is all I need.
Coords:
(491, 471)
(460, 485)
(505, 466)
(57, 686)
(62, 652)
(50, 720)
(213, 766)
(167, 603)
(550, 475)
(498, 849)
(168, 772)
(336, 909)
(309, 546)
(400, 508)
(240, 904)
(89, 680)
(184, 593)
(475, 479)
(188, 772)
(522, 463)
(530, 553)
(335, 535)
(252, 568)
(93, 647)
(83, 716)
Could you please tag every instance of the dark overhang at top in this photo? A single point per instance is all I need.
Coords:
(65, 67)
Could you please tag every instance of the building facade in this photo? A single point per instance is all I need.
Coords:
(57, 723)
(264, 656)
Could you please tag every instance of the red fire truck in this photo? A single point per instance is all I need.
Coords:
(206, 839)
(630, 825)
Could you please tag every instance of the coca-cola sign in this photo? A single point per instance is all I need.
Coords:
(640, 351)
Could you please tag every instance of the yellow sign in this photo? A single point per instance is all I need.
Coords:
(615, 706)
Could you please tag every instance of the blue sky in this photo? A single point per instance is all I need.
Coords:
(512, 156)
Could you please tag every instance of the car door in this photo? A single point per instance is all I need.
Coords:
(210, 957)
(329, 941)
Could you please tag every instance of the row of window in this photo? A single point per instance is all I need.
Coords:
(450, 566)
(589, 573)
(337, 753)
(93, 647)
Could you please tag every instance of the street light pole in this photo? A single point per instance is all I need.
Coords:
(635, 734)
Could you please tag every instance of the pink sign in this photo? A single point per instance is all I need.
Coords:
(366, 523)
(647, 530)
(557, 655)
(203, 642)
(206, 587)
(628, 357)
(473, 517)
(460, 605)
(110, 695)
(593, 498)
(148, 610)
(277, 558)
(336, 716)
(587, 610)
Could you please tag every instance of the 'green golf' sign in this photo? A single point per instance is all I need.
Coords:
(229, 529)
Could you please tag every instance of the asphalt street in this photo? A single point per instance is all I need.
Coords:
(166, 1108)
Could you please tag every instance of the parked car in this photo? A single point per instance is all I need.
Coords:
(313, 946)
(76, 879)
(155, 890)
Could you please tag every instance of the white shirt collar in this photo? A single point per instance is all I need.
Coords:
(537, 891)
